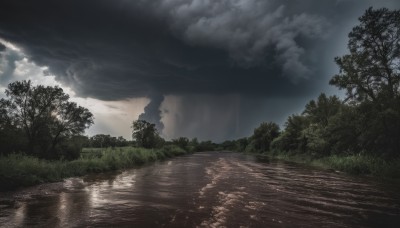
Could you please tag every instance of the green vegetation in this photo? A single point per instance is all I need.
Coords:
(41, 139)
(25, 169)
(145, 134)
(367, 122)
(360, 134)
(352, 164)
(104, 141)
(41, 121)
(18, 170)
(358, 164)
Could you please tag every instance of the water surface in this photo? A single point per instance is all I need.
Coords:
(208, 190)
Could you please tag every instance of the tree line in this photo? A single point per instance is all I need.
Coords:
(367, 121)
(41, 121)
(145, 135)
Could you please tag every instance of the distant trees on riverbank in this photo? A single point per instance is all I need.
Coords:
(368, 120)
(105, 141)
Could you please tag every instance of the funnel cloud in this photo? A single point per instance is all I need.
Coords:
(152, 112)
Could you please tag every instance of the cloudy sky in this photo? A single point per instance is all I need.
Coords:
(212, 69)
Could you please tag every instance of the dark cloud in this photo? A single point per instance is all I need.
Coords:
(247, 30)
(8, 63)
(111, 50)
(2, 47)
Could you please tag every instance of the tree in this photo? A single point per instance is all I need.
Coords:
(344, 130)
(371, 76)
(292, 138)
(100, 141)
(103, 141)
(5, 119)
(11, 137)
(121, 141)
(264, 135)
(229, 145)
(372, 69)
(45, 115)
(241, 144)
(182, 142)
(68, 120)
(206, 146)
(318, 114)
(320, 111)
(193, 145)
(145, 134)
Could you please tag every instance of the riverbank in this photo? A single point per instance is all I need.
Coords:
(17, 170)
(352, 164)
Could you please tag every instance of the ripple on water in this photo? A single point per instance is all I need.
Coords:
(209, 190)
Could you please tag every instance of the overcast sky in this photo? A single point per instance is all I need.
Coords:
(212, 69)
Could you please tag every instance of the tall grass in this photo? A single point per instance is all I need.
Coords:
(18, 170)
(362, 164)
(353, 164)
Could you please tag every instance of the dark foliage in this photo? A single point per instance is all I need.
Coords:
(368, 121)
(146, 135)
(40, 121)
(104, 141)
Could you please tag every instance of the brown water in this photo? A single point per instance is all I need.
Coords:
(208, 190)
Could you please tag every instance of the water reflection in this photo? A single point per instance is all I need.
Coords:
(19, 215)
(63, 209)
(212, 190)
(73, 207)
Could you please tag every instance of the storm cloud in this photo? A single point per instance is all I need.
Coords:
(209, 49)
(174, 47)
(8, 59)
(2, 47)
(247, 30)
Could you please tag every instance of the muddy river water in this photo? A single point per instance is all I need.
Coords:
(208, 190)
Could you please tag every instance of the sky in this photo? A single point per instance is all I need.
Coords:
(211, 69)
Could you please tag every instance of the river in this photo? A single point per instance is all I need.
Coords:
(211, 189)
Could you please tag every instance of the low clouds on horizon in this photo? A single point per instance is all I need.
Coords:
(114, 50)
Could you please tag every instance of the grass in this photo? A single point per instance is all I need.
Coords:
(17, 170)
(358, 164)
(352, 164)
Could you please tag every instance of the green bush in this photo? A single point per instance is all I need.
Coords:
(353, 164)
(18, 170)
